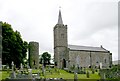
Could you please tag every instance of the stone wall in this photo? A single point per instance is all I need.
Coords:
(60, 45)
(60, 54)
(83, 57)
(88, 58)
(60, 36)
(34, 54)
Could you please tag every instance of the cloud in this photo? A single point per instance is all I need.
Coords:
(90, 22)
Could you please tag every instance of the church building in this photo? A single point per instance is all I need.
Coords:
(66, 56)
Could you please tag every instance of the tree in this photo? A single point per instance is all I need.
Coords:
(45, 58)
(14, 48)
(0, 40)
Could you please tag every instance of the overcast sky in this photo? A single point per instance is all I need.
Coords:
(90, 22)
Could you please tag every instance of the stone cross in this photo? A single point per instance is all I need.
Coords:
(12, 66)
(13, 74)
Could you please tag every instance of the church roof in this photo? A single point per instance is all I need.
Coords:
(87, 48)
(60, 18)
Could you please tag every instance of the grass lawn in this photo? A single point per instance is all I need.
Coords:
(4, 74)
(65, 75)
(61, 74)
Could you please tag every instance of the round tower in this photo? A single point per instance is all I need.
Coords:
(34, 54)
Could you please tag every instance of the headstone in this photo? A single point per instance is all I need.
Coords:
(87, 74)
(28, 67)
(13, 74)
(84, 70)
(43, 69)
(75, 76)
(100, 65)
(7, 69)
(30, 73)
(12, 66)
(38, 75)
(104, 77)
(21, 68)
(49, 69)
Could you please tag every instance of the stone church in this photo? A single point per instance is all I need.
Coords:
(67, 56)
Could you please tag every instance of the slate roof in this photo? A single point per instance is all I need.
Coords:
(87, 48)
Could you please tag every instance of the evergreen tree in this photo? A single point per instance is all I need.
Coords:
(45, 58)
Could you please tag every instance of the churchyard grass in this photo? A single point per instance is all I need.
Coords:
(4, 75)
(66, 75)
(0, 75)
(58, 74)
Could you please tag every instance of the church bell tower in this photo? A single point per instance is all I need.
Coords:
(60, 43)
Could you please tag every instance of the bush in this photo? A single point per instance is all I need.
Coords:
(112, 73)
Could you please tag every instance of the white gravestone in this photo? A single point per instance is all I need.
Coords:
(13, 74)
(100, 65)
(21, 67)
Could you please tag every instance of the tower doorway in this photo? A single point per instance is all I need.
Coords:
(64, 63)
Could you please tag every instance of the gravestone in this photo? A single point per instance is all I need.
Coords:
(30, 73)
(75, 77)
(87, 74)
(21, 68)
(49, 68)
(84, 70)
(100, 65)
(104, 76)
(13, 74)
(38, 75)
(43, 70)
(7, 69)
